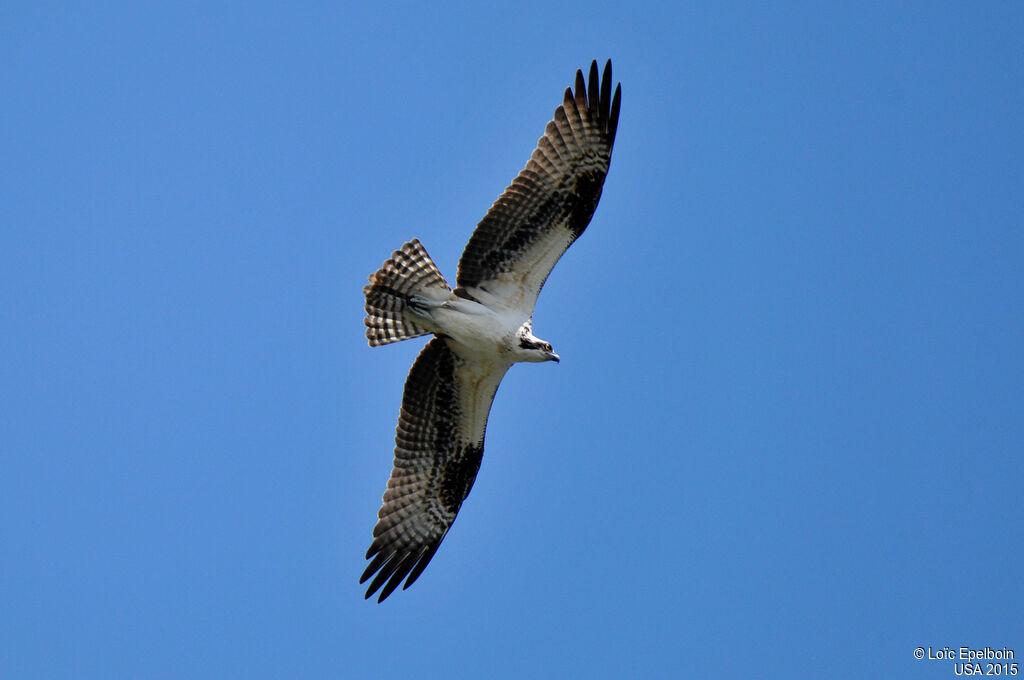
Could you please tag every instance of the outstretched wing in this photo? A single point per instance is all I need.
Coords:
(438, 447)
(549, 204)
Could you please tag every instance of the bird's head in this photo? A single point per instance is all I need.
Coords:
(532, 348)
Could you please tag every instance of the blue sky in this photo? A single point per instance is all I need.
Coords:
(785, 436)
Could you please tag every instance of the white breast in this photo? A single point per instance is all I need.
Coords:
(477, 330)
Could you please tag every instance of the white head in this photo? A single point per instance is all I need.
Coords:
(529, 347)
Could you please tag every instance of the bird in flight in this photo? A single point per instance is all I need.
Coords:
(480, 329)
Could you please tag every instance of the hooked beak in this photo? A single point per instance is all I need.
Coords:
(553, 357)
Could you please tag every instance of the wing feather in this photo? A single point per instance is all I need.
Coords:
(549, 204)
(439, 443)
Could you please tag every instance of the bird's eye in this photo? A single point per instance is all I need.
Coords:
(547, 346)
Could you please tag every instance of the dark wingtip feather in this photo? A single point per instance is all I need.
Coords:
(384, 574)
(613, 118)
(594, 88)
(606, 90)
(392, 569)
(376, 564)
(421, 565)
(401, 569)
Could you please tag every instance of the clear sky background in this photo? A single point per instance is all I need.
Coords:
(785, 436)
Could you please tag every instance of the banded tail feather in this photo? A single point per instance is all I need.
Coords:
(409, 272)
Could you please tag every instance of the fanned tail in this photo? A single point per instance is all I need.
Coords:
(409, 272)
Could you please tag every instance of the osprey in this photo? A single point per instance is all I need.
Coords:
(480, 329)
